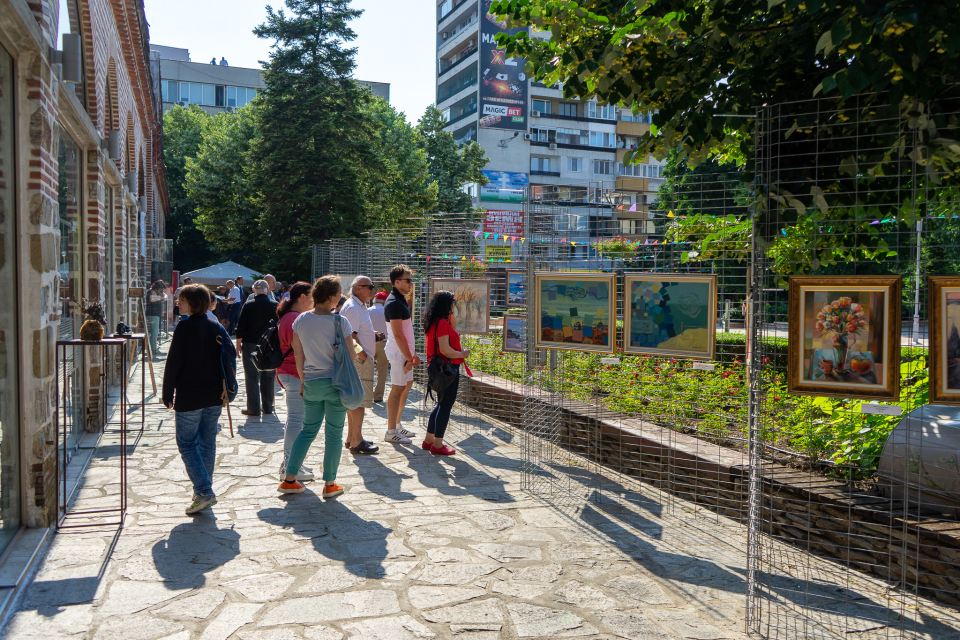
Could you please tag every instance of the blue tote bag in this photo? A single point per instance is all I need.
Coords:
(346, 380)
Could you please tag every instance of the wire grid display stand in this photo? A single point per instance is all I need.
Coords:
(814, 486)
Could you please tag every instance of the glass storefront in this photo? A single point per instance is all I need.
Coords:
(71, 293)
(9, 334)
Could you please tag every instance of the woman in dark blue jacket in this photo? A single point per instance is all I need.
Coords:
(193, 388)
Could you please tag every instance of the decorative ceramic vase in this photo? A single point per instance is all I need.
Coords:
(91, 331)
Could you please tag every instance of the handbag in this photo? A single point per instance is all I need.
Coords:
(440, 373)
(346, 380)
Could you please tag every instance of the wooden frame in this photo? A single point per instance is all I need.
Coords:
(517, 273)
(938, 358)
(457, 287)
(507, 317)
(593, 317)
(692, 304)
(873, 299)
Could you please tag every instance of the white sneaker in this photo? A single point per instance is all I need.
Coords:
(406, 432)
(306, 473)
(393, 435)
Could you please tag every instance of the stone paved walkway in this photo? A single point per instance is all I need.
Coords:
(418, 547)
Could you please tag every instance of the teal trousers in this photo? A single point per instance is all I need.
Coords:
(320, 400)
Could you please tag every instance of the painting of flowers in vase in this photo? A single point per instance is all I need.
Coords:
(845, 336)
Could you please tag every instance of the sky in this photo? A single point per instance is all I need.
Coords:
(395, 40)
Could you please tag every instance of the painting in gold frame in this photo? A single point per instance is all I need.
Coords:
(844, 337)
(944, 354)
(576, 311)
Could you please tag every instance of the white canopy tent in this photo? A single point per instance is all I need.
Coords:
(219, 274)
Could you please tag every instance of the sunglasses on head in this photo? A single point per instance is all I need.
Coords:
(366, 286)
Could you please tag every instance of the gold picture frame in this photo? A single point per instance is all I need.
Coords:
(944, 292)
(844, 337)
(518, 322)
(657, 305)
(579, 307)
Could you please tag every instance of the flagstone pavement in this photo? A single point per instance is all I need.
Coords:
(418, 547)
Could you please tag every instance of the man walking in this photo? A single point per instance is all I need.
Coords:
(380, 327)
(355, 311)
(257, 315)
(400, 352)
(232, 299)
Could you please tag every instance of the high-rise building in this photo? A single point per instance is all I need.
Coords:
(543, 149)
(215, 85)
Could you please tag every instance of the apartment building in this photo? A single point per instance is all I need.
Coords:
(216, 86)
(556, 152)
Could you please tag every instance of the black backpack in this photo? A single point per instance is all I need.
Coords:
(268, 356)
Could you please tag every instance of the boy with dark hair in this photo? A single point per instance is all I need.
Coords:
(400, 351)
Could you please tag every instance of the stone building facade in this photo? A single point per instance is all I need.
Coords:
(82, 193)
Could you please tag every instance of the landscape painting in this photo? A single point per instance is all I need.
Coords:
(471, 307)
(516, 288)
(844, 336)
(671, 314)
(944, 360)
(576, 311)
(515, 333)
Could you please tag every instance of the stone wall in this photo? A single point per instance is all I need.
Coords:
(859, 528)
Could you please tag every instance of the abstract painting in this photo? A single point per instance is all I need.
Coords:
(576, 311)
(944, 360)
(515, 333)
(516, 288)
(671, 314)
(471, 307)
(844, 336)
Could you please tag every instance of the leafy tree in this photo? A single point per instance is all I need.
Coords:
(182, 137)
(218, 184)
(315, 148)
(451, 166)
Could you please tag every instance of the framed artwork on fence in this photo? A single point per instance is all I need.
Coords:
(670, 315)
(844, 336)
(576, 311)
(944, 354)
(514, 333)
(516, 288)
(471, 307)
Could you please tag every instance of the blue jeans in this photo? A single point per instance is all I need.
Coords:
(153, 332)
(440, 416)
(197, 442)
(294, 424)
(320, 400)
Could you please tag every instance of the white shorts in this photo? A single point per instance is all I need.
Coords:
(397, 376)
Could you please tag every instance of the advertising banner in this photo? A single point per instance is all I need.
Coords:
(505, 223)
(498, 252)
(503, 186)
(503, 83)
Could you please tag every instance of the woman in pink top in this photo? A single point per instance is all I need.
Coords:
(299, 301)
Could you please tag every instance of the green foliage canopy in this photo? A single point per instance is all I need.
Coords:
(451, 166)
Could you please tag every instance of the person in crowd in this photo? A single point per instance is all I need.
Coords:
(176, 299)
(256, 316)
(223, 62)
(243, 292)
(355, 310)
(442, 341)
(314, 335)
(299, 301)
(213, 60)
(400, 352)
(233, 300)
(380, 327)
(272, 292)
(284, 290)
(192, 387)
(212, 309)
(156, 300)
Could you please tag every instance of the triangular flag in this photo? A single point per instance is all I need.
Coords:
(496, 235)
(486, 235)
(564, 240)
(476, 234)
(670, 215)
(428, 258)
(633, 207)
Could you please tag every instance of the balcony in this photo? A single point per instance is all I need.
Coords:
(453, 34)
(448, 8)
(551, 174)
(462, 116)
(456, 85)
(460, 58)
(581, 147)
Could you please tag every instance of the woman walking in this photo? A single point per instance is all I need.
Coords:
(314, 335)
(156, 300)
(192, 387)
(443, 341)
(298, 301)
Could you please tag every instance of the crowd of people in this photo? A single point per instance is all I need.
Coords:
(378, 331)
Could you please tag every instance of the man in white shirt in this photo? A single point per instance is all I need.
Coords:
(380, 327)
(272, 282)
(355, 311)
(233, 300)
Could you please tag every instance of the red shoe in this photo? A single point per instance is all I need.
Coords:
(426, 445)
(447, 450)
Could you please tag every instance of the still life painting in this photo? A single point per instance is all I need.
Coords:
(514, 333)
(516, 288)
(671, 314)
(576, 311)
(944, 360)
(471, 306)
(844, 336)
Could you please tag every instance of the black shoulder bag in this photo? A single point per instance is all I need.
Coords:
(440, 373)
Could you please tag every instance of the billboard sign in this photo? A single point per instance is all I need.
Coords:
(503, 82)
(498, 252)
(504, 223)
(503, 186)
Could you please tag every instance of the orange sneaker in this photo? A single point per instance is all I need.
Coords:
(332, 490)
(291, 487)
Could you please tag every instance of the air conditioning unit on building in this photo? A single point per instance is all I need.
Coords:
(182, 104)
(535, 114)
(527, 136)
(553, 146)
(445, 35)
(230, 109)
